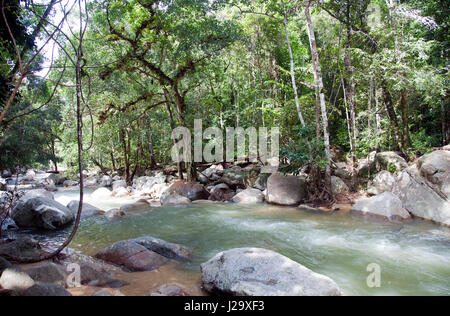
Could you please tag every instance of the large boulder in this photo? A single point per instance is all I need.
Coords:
(261, 181)
(119, 184)
(213, 170)
(249, 196)
(384, 181)
(164, 248)
(88, 209)
(92, 275)
(41, 193)
(191, 190)
(241, 178)
(338, 186)
(138, 206)
(343, 171)
(91, 182)
(435, 168)
(45, 289)
(131, 256)
(48, 273)
(221, 193)
(174, 199)
(261, 272)
(367, 165)
(385, 205)
(390, 161)
(285, 190)
(15, 279)
(145, 185)
(420, 197)
(41, 213)
(55, 179)
(106, 181)
(22, 248)
(101, 193)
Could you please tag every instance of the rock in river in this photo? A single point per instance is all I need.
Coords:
(249, 196)
(42, 213)
(143, 254)
(261, 272)
(285, 190)
(385, 205)
(131, 256)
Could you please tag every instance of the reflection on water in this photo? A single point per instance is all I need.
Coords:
(414, 258)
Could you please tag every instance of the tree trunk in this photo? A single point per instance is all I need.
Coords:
(126, 162)
(319, 89)
(151, 151)
(291, 56)
(405, 118)
(392, 116)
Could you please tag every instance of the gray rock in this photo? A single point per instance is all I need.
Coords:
(338, 186)
(131, 256)
(191, 190)
(115, 214)
(285, 190)
(419, 197)
(174, 199)
(37, 193)
(221, 193)
(121, 192)
(138, 206)
(49, 273)
(101, 193)
(214, 169)
(343, 171)
(261, 181)
(237, 177)
(44, 289)
(14, 279)
(41, 213)
(55, 179)
(435, 168)
(385, 205)
(23, 248)
(384, 181)
(261, 272)
(51, 188)
(367, 165)
(91, 182)
(119, 184)
(389, 160)
(91, 276)
(106, 181)
(164, 248)
(170, 290)
(70, 183)
(249, 196)
(88, 209)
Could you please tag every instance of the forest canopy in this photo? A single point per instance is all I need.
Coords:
(337, 77)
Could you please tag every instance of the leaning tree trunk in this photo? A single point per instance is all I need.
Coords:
(151, 150)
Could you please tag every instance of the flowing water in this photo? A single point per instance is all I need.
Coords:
(414, 257)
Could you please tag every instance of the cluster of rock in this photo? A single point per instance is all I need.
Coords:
(421, 189)
(238, 272)
(47, 280)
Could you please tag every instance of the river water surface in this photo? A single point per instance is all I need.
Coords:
(414, 258)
